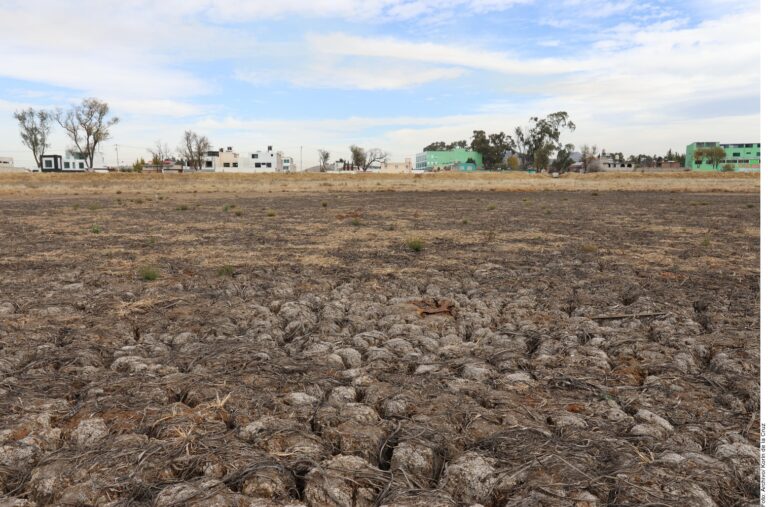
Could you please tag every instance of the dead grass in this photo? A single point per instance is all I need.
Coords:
(98, 184)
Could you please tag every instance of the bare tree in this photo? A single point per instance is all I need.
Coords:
(374, 156)
(34, 127)
(325, 156)
(87, 126)
(160, 153)
(589, 159)
(358, 156)
(193, 149)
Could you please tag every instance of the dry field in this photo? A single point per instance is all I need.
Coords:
(89, 184)
(211, 343)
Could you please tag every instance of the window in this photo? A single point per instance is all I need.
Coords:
(257, 165)
(234, 164)
(81, 165)
(48, 163)
(208, 163)
(254, 155)
(66, 165)
(226, 164)
(268, 164)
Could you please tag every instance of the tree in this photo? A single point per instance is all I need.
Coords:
(513, 163)
(325, 156)
(532, 139)
(160, 153)
(713, 155)
(138, 166)
(34, 127)
(588, 157)
(193, 149)
(374, 156)
(541, 156)
(358, 156)
(563, 158)
(442, 146)
(87, 125)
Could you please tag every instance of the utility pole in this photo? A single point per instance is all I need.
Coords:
(117, 157)
(301, 158)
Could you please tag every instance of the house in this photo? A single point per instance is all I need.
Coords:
(51, 163)
(6, 162)
(608, 163)
(437, 160)
(405, 167)
(269, 161)
(221, 161)
(288, 166)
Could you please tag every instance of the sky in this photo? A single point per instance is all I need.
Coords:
(635, 76)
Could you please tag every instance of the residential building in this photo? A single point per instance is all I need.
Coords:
(269, 161)
(608, 163)
(404, 167)
(457, 158)
(743, 157)
(51, 163)
(287, 166)
(6, 162)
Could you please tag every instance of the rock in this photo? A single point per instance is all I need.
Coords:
(415, 460)
(470, 478)
(350, 356)
(647, 416)
(7, 308)
(478, 372)
(648, 430)
(298, 399)
(335, 482)
(89, 432)
(342, 395)
(568, 421)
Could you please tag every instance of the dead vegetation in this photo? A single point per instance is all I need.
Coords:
(580, 358)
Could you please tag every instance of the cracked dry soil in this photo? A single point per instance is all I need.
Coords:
(542, 349)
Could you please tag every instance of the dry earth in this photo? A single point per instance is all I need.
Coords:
(542, 349)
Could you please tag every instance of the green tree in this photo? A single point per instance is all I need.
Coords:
(358, 156)
(541, 156)
(513, 163)
(563, 158)
(34, 127)
(529, 141)
(713, 156)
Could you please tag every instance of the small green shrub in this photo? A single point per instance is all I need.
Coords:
(415, 244)
(588, 248)
(491, 207)
(226, 270)
(96, 229)
(356, 222)
(183, 207)
(324, 204)
(271, 213)
(238, 213)
(465, 221)
(76, 207)
(94, 206)
(148, 273)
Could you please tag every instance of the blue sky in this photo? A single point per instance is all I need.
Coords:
(636, 76)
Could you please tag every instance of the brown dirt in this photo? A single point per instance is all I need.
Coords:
(544, 348)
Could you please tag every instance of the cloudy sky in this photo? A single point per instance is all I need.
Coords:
(636, 76)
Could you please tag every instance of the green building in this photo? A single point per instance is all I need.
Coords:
(743, 157)
(457, 159)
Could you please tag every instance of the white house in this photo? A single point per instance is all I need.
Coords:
(221, 161)
(608, 163)
(269, 161)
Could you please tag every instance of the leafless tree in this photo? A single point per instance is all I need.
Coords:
(160, 153)
(193, 149)
(358, 156)
(87, 126)
(34, 127)
(374, 156)
(325, 156)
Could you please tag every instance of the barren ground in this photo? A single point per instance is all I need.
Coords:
(542, 349)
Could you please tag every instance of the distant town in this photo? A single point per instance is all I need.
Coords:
(536, 147)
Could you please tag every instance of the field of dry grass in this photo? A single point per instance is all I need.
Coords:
(93, 184)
